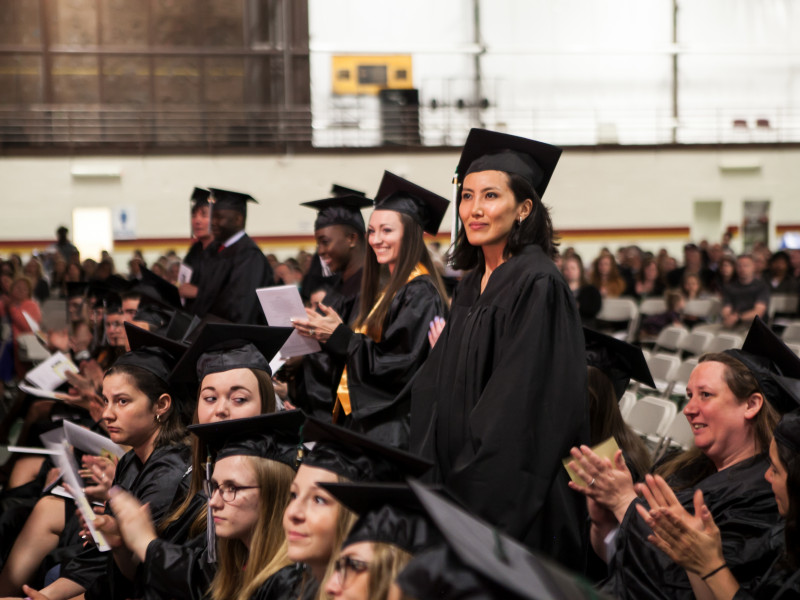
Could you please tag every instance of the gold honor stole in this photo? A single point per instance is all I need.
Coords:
(342, 392)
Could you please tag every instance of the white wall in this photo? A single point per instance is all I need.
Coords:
(591, 189)
(558, 69)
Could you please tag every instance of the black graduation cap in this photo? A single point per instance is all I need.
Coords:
(274, 436)
(358, 457)
(478, 562)
(340, 190)
(340, 210)
(388, 513)
(787, 433)
(425, 207)
(76, 289)
(158, 288)
(199, 198)
(774, 365)
(151, 352)
(223, 347)
(487, 150)
(620, 361)
(231, 200)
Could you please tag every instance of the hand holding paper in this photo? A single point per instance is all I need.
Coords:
(281, 305)
(608, 483)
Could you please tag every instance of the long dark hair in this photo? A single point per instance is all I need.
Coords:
(741, 381)
(606, 421)
(791, 462)
(536, 229)
(171, 428)
(412, 253)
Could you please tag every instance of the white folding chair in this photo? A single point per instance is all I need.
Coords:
(678, 432)
(663, 368)
(651, 415)
(652, 306)
(626, 403)
(712, 328)
(703, 308)
(621, 310)
(794, 348)
(696, 342)
(670, 338)
(725, 341)
(681, 378)
(781, 304)
(791, 335)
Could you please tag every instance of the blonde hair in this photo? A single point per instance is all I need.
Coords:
(387, 562)
(345, 520)
(241, 570)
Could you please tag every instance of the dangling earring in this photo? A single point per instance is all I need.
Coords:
(158, 418)
(519, 220)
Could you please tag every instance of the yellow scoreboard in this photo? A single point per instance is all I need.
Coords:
(367, 75)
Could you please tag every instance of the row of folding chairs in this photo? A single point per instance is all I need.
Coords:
(712, 338)
(628, 312)
(657, 420)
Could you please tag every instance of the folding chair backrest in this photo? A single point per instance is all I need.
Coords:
(663, 367)
(680, 432)
(791, 335)
(652, 306)
(696, 342)
(725, 341)
(626, 403)
(651, 415)
(671, 338)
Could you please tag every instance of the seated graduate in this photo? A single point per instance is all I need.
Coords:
(401, 294)
(314, 523)
(340, 231)
(140, 411)
(694, 542)
(231, 365)
(732, 423)
(392, 527)
(254, 463)
(477, 562)
(612, 363)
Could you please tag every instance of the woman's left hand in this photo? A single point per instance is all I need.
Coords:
(696, 550)
(657, 493)
(101, 470)
(610, 485)
(318, 326)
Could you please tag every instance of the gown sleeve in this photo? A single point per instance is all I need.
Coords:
(378, 371)
(177, 570)
(531, 411)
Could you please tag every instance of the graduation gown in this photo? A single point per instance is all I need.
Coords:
(780, 582)
(378, 373)
(286, 584)
(194, 259)
(155, 482)
(744, 509)
(178, 570)
(503, 398)
(228, 282)
(316, 380)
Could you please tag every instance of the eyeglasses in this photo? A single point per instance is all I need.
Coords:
(226, 490)
(346, 565)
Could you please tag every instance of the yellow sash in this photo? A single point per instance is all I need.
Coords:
(342, 392)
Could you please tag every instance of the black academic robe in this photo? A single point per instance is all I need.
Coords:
(780, 582)
(744, 509)
(228, 282)
(194, 259)
(156, 483)
(315, 382)
(178, 570)
(378, 373)
(503, 398)
(286, 584)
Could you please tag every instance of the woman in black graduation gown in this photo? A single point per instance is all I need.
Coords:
(732, 423)
(142, 412)
(390, 342)
(201, 231)
(700, 551)
(502, 397)
(230, 366)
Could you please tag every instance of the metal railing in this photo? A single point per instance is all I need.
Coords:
(180, 128)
